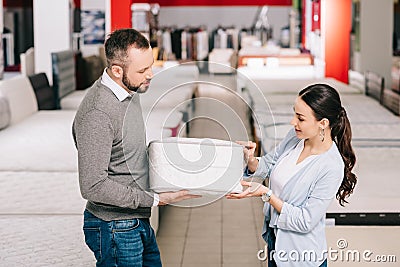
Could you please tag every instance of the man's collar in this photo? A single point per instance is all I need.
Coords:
(118, 91)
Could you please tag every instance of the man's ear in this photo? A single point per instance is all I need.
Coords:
(117, 71)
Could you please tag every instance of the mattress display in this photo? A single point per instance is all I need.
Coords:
(391, 100)
(272, 135)
(285, 72)
(175, 96)
(163, 119)
(38, 187)
(202, 166)
(73, 99)
(363, 135)
(363, 109)
(358, 111)
(270, 86)
(383, 131)
(376, 167)
(41, 142)
(374, 135)
(264, 121)
(171, 86)
(360, 108)
(222, 60)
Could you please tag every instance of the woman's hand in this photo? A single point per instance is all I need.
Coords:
(249, 148)
(253, 190)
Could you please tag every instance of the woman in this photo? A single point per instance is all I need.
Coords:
(308, 168)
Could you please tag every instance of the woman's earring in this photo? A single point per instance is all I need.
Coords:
(322, 134)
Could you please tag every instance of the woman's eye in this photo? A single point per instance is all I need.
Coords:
(300, 119)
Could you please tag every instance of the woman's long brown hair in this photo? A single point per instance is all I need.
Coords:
(324, 100)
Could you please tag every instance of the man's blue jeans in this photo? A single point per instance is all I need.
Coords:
(122, 242)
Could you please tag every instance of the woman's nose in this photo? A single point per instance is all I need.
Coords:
(293, 121)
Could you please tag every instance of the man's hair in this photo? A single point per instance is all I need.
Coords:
(118, 42)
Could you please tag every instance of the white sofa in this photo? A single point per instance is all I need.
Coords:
(35, 140)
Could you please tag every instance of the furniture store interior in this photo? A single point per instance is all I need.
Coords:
(224, 71)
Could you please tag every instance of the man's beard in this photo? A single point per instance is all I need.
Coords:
(137, 89)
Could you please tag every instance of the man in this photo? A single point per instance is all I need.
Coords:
(112, 157)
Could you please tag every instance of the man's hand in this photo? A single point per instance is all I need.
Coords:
(172, 197)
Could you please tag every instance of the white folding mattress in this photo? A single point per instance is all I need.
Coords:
(202, 166)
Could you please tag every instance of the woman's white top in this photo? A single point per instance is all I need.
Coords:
(287, 168)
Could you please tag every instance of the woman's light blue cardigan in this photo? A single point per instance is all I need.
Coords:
(300, 234)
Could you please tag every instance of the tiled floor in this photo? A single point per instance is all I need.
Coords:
(226, 232)
(363, 246)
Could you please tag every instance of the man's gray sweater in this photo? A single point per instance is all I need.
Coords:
(112, 155)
